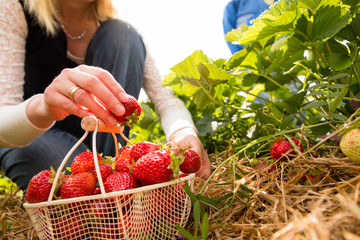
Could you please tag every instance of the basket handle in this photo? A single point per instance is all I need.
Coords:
(89, 124)
(95, 123)
(60, 168)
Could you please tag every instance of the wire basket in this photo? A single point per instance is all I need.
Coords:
(148, 212)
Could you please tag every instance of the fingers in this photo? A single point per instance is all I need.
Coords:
(88, 87)
(108, 80)
(186, 137)
(101, 84)
(58, 107)
(205, 168)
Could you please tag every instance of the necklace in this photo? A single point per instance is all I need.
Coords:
(76, 37)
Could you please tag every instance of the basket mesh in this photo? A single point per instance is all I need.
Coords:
(146, 214)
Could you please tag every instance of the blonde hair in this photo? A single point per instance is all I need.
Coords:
(45, 12)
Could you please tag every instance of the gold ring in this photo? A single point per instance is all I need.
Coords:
(72, 91)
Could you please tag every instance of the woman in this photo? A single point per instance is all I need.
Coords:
(56, 56)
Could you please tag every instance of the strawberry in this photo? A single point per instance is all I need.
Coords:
(105, 171)
(135, 226)
(69, 226)
(84, 162)
(119, 181)
(124, 152)
(123, 161)
(282, 147)
(132, 112)
(107, 231)
(102, 209)
(97, 190)
(162, 202)
(350, 144)
(191, 163)
(267, 166)
(79, 185)
(153, 167)
(123, 165)
(39, 187)
(141, 148)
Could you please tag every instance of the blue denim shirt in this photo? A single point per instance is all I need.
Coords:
(238, 12)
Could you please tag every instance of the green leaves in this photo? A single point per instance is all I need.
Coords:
(299, 66)
(279, 18)
(328, 20)
(203, 76)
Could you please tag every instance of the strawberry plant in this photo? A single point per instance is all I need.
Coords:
(298, 77)
(300, 67)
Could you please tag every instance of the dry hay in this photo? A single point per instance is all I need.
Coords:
(285, 204)
(15, 222)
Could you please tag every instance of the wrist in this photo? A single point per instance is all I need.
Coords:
(183, 132)
(35, 114)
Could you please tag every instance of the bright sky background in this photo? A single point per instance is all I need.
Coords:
(174, 29)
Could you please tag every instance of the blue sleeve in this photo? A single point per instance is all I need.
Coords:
(239, 12)
(229, 23)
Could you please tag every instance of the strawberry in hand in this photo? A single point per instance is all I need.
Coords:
(132, 112)
(191, 163)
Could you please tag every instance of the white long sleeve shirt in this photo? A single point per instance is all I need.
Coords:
(16, 130)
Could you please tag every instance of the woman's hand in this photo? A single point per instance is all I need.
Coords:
(97, 93)
(188, 136)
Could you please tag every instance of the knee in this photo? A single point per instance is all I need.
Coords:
(123, 34)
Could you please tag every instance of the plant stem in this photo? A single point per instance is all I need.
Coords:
(253, 143)
(221, 104)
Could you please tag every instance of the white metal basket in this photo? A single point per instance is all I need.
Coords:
(148, 212)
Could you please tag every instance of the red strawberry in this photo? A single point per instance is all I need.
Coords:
(124, 152)
(102, 209)
(107, 231)
(135, 226)
(39, 187)
(162, 202)
(97, 190)
(79, 185)
(153, 167)
(132, 112)
(141, 148)
(124, 165)
(281, 147)
(105, 171)
(69, 226)
(123, 161)
(84, 162)
(264, 166)
(119, 181)
(191, 163)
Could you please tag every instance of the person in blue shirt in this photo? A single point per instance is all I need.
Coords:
(238, 12)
